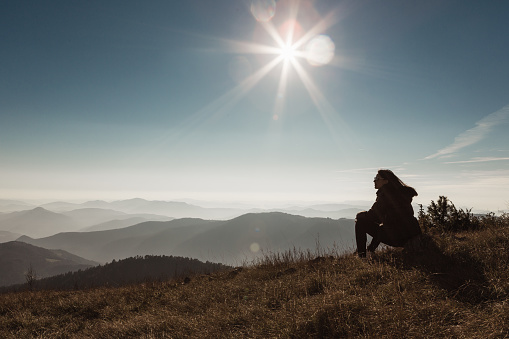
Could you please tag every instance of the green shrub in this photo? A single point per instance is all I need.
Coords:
(443, 216)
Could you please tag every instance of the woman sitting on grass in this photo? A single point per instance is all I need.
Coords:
(391, 218)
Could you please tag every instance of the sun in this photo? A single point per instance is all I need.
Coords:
(297, 43)
(288, 52)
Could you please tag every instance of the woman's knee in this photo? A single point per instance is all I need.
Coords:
(361, 215)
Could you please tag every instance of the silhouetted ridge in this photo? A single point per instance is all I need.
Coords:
(128, 271)
(17, 257)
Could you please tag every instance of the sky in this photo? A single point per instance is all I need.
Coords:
(262, 102)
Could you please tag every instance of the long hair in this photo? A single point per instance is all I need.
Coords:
(396, 182)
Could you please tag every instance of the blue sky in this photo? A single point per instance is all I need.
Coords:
(176, 100)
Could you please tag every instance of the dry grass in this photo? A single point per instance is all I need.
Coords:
(457, 288)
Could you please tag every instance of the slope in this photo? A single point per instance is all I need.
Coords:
(230, 242)
(37, 222)
(457, 287)
(124, 272)
(16, 258)
(249, 236)
(6, 236)
(104, 246)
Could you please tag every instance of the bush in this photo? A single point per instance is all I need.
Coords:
(443, 216)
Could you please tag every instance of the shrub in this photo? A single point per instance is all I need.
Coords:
(443, 216)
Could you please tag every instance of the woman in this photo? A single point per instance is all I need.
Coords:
(391, 218)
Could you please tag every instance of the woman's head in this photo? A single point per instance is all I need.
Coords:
(380, 181)
(387, 177)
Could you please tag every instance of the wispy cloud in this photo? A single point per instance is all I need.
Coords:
(368, 169)
(476, 134)
(478, 159)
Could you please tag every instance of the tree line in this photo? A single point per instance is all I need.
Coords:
(123, 272)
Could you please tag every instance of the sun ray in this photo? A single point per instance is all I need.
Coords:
(218, 107)
(329, 115)
(272, 31)
(294, 11)
(239, 47)
(320, 27)
(281, 90)
(229, 46)
(288, 52)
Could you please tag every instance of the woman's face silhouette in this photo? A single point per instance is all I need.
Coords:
(379, 181)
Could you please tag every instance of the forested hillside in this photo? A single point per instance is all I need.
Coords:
(125, 272)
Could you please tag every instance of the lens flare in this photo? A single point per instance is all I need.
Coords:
(293, 41)
(263, 10)
(254, 247)
(320, 50)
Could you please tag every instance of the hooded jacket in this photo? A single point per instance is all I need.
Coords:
(393, 209)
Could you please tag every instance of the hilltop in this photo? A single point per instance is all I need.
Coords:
(16, 258)
(37, 222)
(124, 272)
(456, 287)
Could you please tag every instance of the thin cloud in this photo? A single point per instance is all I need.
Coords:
(369, 169)
(478, 159)
(483, 127)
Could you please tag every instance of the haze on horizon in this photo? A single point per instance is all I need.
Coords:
(254, 101)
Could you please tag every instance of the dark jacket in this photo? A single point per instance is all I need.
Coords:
(393, 209)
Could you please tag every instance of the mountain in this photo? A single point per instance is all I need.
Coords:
(14, 205)
(16, 258)
(128, 271)
(89, 217)
(92, 216)
(232, 241)
(114, 224)
(61, 206)
(8, 236)
(454, 286)
(139, 206)
(95, 217)
(104, 246)
(249, 236)
(173, 209)
(37, 222)
(337, 207)
(334, 214)
(177, 209)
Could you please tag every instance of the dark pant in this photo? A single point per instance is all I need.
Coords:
(365, 225)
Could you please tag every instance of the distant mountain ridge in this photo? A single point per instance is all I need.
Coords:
(93, 216)
(172, 209)
(6, 236)
(14, 205)
(40, 222)
(229, 242)
(16, 258)
(178, 209)
(59, 217)
(37, 222)
(114, 224)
